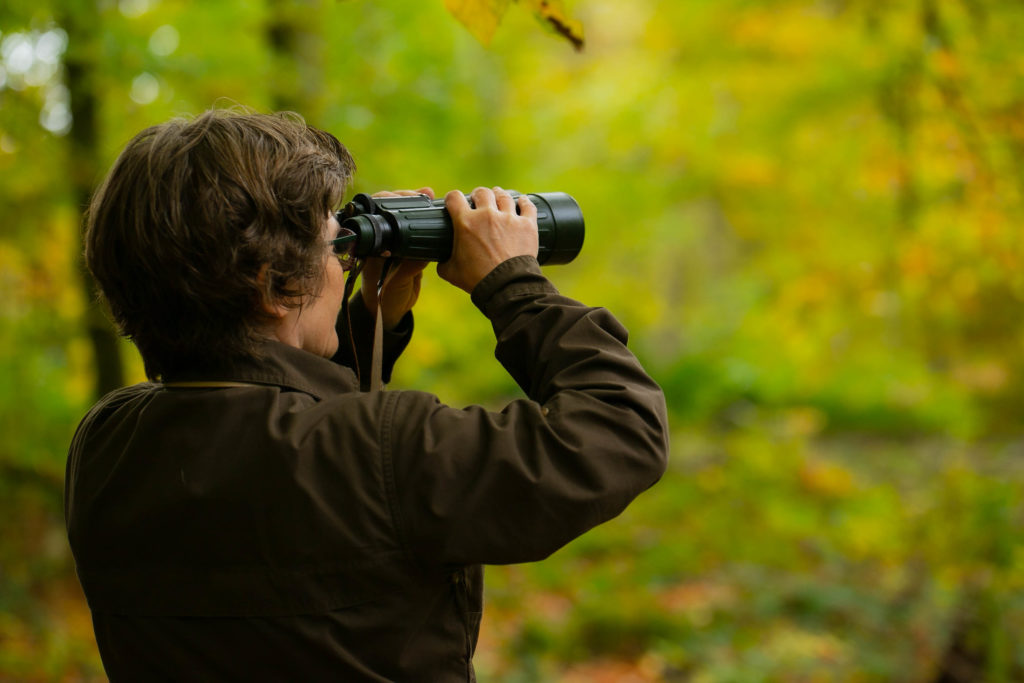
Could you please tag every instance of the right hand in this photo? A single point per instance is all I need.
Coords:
(487, 235)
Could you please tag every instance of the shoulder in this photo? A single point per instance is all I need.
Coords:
(113, 402)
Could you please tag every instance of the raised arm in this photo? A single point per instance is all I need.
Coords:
(473, 486)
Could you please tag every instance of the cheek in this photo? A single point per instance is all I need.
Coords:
(336, 279)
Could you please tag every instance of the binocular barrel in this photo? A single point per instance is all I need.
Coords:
(420, 228)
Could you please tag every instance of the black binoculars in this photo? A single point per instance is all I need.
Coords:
(420, 228)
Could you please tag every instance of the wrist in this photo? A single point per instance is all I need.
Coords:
(518, 274)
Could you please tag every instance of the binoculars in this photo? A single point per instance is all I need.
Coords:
(420, 228)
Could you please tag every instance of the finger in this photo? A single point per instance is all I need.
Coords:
(504, 201)
(408, 269)
(370, 274)
(483, 197)
(372, 265)
(456, 203)
(526, 207)
(429, 191)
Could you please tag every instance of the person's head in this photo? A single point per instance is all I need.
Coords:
(204, 227)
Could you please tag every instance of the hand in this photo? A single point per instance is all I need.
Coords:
(404, 279)
(487, 235)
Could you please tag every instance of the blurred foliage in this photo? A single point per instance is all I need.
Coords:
(766, 555)
(806, 211)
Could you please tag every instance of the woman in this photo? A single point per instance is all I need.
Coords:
(249, 513)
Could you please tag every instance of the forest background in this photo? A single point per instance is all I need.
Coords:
(807, 212)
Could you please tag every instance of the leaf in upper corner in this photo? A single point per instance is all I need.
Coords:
(553, 13)
(481, 17)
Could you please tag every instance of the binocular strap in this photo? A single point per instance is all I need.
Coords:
(377, 361)
(377, 357)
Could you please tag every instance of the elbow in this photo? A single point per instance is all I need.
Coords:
(660, 447)
(653, 438)
(640, 455)
(652, 457)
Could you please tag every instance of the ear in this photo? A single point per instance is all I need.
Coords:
(268, 304)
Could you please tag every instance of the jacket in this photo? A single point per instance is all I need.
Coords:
(287, 526)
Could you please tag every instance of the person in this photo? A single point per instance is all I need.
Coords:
(250, 513)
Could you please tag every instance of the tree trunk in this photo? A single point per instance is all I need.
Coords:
(297, 49)
(82, 23)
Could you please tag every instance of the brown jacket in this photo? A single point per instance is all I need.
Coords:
(294, 528)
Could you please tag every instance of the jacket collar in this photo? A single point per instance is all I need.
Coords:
(284, 366)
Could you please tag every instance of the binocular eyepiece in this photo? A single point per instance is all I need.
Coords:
(420, 228)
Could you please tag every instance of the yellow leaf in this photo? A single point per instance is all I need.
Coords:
(826, 480)
(481, 17)
(553, 13)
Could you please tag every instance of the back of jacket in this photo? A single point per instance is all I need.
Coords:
(272, 522)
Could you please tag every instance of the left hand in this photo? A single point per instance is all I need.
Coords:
(404, 279)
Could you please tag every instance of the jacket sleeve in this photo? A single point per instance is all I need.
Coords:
(473, 486)
(355, 341)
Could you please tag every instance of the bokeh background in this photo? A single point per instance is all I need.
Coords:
(807, 212)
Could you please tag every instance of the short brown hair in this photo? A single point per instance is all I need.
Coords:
(189, 215)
